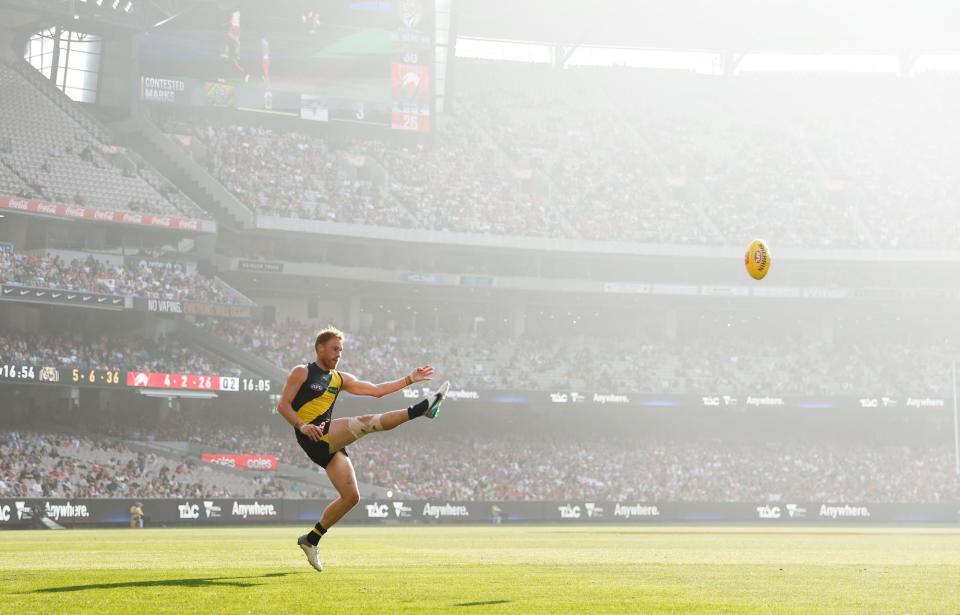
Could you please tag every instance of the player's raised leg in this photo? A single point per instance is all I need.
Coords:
(344, 431)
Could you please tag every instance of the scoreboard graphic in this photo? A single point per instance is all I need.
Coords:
(118, 377)
(317, 60)
(411, 92)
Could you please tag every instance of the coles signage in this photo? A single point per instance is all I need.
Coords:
(76, 212)
(242, 462)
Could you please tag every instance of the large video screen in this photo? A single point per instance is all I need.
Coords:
(368, 61)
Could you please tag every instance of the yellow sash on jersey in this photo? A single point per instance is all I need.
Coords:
(320, 405)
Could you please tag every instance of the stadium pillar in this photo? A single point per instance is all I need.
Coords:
(55, 58)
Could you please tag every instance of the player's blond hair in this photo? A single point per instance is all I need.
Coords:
(327, 334)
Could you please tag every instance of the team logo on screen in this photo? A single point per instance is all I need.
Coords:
(411, 13)
(410, 85)
(141, 379)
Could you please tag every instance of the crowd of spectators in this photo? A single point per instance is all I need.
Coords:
(150, 279)
(86, 352)
(289, 174)
(56, 465)
(530, 464)
(460, 183)
(782, 366)
(602, 154)
(699, 365)
(535, 466)
(530, 468)
(648, 157)
(382, 356)
(108, 454)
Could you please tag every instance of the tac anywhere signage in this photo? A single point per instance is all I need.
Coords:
(31, 512)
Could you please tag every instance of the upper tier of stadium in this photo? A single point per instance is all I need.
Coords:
(624, 155)
(51, 150)
(609, 155)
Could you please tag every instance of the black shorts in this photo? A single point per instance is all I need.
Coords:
(318, 452)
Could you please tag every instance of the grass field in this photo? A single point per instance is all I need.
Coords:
(515, 569)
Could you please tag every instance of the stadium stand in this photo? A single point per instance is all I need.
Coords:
(696, 163)
(787, 365)
(114, 352)
(689, 161)
(150, 278)
(64, 160)
(640, 470)
(518, 467)
(73, 466)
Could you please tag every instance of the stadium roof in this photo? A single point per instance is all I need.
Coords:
(899, 26)
(91, 16)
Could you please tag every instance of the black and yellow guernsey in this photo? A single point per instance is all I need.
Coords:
(314, 401)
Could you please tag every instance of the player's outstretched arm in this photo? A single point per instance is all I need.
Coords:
(352, 384)
(298, 375)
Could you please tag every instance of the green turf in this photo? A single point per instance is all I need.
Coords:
(510, 569)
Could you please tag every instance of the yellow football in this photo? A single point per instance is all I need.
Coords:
(757, 259)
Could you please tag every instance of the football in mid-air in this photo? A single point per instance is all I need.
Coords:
(757, 259)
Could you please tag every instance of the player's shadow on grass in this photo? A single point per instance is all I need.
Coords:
(200, 582)
(483, 603)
